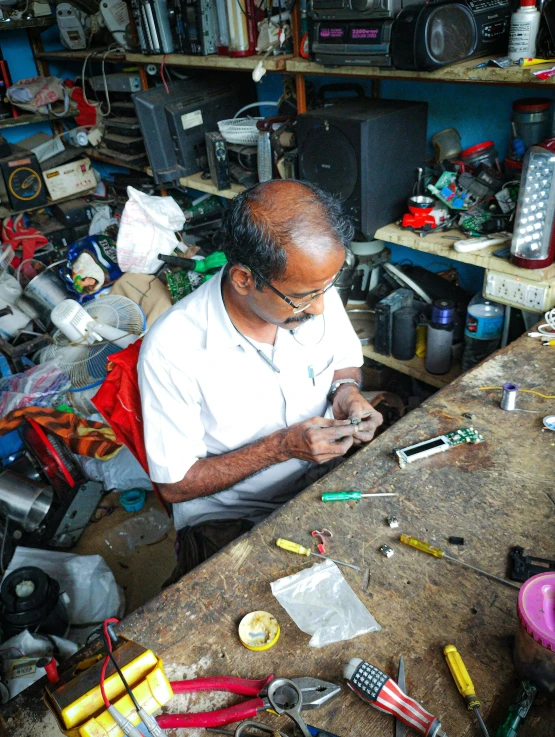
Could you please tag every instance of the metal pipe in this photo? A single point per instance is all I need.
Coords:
(27, 501)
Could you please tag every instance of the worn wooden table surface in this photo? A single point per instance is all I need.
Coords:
(496, 495)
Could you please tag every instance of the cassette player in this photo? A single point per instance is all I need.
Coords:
(358, 9)
(355, 43)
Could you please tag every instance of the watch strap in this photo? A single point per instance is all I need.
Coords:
(339, 382)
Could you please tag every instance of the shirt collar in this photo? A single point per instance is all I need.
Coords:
(220, 331)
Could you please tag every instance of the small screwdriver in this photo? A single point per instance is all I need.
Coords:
(464, 684)
(377, 689)
(439, 553)
(301, 550)
(346, 496)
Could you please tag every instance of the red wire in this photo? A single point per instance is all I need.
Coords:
(13, 647)
(162, 74)
(112, 620)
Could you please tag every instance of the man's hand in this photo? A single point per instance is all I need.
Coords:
(318, 440)
(349, 404)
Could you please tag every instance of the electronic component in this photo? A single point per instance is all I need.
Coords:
(533, 245)
(23, 180)
(524, 567)
(216, 149)
(456, 540)
(393, 522)
(358, 9)
(153, 26)
(360, 43)
(122, 82)
(437, 445)
(386, 550)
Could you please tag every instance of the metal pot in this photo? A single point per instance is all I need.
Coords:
(27, 501)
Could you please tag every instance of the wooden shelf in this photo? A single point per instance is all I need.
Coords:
(97, 156)
(415, 367)
(213, 61)
(25, 25)
(363, 324)
(462, 72)
(28, 119)
(441, 244)
(93, 54)
(195, 181)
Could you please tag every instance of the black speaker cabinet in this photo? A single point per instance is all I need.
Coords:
(365, 152)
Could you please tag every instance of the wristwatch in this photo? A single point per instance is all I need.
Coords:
(336, 384)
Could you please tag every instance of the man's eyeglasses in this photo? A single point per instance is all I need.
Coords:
(301, 306)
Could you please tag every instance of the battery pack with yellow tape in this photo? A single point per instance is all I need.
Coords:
(76, 700)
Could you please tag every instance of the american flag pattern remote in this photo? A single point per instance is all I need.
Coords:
(381, 692)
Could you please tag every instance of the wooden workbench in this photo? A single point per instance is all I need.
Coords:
(496, 495)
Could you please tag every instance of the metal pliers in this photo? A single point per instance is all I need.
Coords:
(315, 692)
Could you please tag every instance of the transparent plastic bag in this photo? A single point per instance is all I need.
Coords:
(322, 604)
(145, 528)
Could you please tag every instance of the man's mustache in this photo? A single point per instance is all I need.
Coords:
(299, 318)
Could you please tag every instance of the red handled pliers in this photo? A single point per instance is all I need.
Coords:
(315, 693)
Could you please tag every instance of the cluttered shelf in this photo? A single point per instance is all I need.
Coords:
(28, 119)
(212, 61)
(93, 154)
(464, 71)
(363, 324)
(196, 181)
(27, 24)
(441, 244)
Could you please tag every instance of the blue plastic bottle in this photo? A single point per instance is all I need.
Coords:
(482, 332)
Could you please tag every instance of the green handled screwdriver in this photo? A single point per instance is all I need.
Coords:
(347, 496)
(518, 711)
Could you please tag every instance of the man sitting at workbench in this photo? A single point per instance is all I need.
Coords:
(250, 385)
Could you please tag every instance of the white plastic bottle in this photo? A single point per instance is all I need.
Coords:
(525, 24)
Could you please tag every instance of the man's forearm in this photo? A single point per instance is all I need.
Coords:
(217, 473)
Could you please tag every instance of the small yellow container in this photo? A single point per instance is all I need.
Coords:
(259, 630)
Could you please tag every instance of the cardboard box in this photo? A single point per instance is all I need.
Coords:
(70, 179)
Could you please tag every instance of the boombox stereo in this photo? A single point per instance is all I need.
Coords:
(426, 37)
(365, 153)
(359, 43)
(356, 9)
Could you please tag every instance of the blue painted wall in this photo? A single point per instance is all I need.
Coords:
(478, 112)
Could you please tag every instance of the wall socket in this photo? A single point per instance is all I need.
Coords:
(515, 291)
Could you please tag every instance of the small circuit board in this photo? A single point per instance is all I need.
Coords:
(179, 284)
(437, 445)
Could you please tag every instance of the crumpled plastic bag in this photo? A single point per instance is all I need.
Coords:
(44, 385)
(145, 528)
(147, 228)
(87, 580)
(20, 654)
(322, 604)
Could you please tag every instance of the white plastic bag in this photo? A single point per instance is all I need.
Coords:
(88, 581)
(322, 604)
(21, 652)
(44, 385)
(147, 228)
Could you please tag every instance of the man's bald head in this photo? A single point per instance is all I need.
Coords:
(269, 223)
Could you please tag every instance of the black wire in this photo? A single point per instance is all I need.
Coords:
(122, 677)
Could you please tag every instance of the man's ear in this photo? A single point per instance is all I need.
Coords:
(241, 279)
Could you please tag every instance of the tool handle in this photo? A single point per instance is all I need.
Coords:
(381, 692)
(241, 686)
(292, 547)
(245, 710)
(315, 732)
(341, 496)
(461, 676)
(185, 263)
(420, 545)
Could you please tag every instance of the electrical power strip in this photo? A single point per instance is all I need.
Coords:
(536, 296)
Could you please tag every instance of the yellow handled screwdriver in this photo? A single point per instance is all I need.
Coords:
(439, 553)
(464, 684)
(301, 550)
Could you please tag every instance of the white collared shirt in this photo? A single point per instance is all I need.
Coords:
(206, 391)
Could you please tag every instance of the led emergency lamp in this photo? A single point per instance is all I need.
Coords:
(533, 244)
